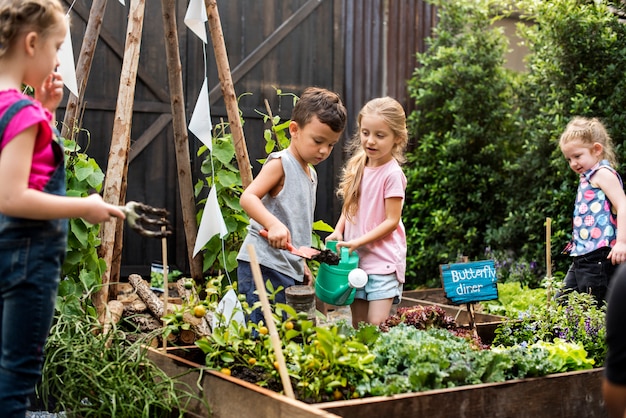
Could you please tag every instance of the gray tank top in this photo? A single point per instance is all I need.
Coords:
(294, 205)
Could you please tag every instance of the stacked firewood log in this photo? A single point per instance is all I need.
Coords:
(138, 304)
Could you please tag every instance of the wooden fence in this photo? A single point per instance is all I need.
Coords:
(361, 49)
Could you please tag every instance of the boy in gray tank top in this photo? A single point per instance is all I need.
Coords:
(281, 199)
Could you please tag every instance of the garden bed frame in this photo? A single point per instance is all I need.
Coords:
(563, 395)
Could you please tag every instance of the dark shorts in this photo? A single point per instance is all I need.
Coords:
(590, 273)
(246, 286)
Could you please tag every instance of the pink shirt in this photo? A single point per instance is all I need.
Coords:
(44, 161)
(387, 255)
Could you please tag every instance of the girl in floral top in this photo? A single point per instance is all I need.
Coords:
(597, 244)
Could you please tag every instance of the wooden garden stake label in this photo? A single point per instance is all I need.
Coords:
(470, 282)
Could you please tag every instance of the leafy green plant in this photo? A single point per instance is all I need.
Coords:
(156, 277)
(513, 299)
(82, 269)
(276, 136)
(321, 361)
(412, 360)
(579, 321)
(221, 172)
(87, 373)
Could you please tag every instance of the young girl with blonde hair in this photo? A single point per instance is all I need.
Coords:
(598, 242)
(33, 205)
(373, 187)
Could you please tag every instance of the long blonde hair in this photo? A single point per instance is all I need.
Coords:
(589, 131)
(392, 112)
(19, 16)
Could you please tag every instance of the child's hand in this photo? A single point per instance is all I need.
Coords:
(350, 245)
(100, 211)
(618, 253)
(335, 236)
(278, 236)
(50, 93)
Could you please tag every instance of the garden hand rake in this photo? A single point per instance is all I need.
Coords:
(146, 220)
(323, 256)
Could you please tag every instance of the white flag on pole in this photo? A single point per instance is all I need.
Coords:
(212, 222)
(200, 124)
(195, 19)
(67, 68)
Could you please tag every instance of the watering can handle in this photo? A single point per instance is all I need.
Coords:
(344, 253)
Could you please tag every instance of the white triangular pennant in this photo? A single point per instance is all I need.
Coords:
(122, 1)
(195, 19)
(230, 310)
(67, 68)
(200, 124)
(212, 222)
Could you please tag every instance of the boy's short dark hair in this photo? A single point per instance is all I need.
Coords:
(324, 104)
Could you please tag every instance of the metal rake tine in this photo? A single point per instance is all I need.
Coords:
(157, 233)
(149, 210)
(143, 218)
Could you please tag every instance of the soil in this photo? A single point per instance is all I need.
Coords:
(327, 256)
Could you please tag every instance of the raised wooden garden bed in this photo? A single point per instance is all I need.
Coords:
(564, 395)
(574, 394)
(228, 397)
(486, 324)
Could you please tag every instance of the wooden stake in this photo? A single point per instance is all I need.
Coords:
(472, 319)
(117, 168)
(228, 91)
(181, 136)
(548, 247)
(269, 322)
(165, 283)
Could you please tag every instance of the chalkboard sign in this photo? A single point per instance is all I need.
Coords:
(470, 282)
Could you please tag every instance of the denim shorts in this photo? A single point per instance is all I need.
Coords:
(381, 286)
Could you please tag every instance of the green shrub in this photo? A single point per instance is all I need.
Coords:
(463, 123)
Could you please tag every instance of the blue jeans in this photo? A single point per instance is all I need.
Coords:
(29, 278)
(31, 256)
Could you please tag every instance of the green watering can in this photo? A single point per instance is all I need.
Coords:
(337, 284)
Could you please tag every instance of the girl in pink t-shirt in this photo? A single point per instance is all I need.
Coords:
(373, 187)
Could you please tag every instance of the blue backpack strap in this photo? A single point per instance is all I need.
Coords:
(10, 112)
